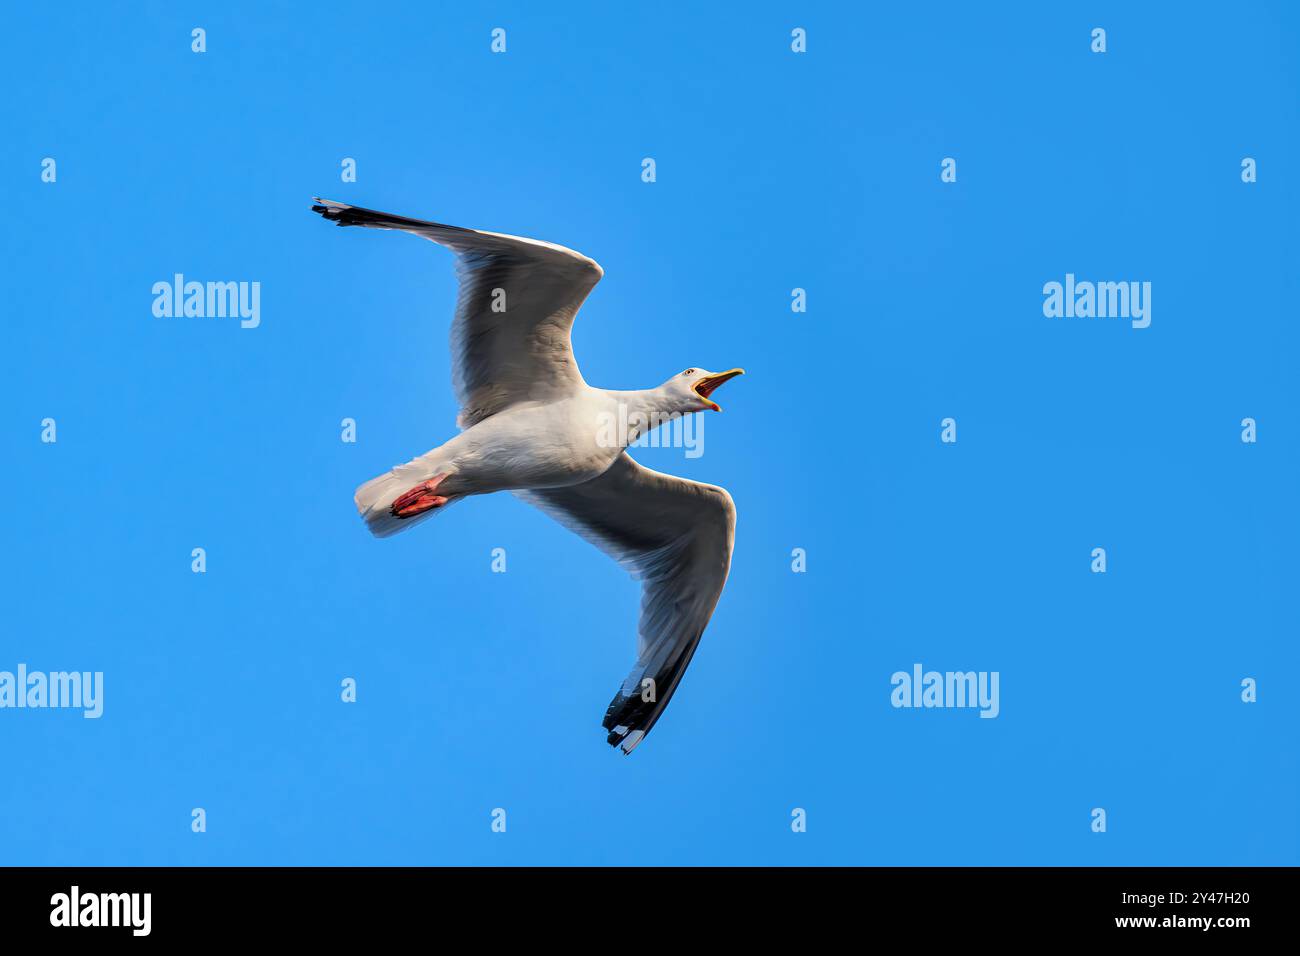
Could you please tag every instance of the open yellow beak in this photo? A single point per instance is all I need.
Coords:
(705, 386)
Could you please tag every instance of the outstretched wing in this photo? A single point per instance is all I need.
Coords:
(675, 536)
(518, 297)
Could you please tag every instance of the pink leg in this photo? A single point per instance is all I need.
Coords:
(419, 499)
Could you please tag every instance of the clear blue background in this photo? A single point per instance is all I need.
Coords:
(775, 171)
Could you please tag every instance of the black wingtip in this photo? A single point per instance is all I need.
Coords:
(334, 212)
(627, 722)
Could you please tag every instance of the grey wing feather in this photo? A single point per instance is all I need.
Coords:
(675, 536)
(510, 338)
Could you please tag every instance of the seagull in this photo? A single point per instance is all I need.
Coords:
(532, 426)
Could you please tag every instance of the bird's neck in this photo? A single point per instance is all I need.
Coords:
(641, 411)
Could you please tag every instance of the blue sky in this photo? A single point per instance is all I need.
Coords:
(775, 170)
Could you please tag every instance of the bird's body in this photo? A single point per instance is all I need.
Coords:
(530, 445)
(533, 426)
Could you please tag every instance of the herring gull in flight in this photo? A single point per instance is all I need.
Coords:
(532, 426)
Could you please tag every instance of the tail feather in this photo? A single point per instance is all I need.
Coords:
(375, 499)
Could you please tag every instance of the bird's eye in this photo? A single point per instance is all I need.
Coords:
(689, 371)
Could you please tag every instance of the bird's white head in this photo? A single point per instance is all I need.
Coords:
(690, 390)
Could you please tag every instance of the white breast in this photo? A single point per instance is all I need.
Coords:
(539, 445)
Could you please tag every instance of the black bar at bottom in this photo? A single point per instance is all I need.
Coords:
(210, 905)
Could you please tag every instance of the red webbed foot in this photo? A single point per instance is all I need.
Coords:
(419, 499)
